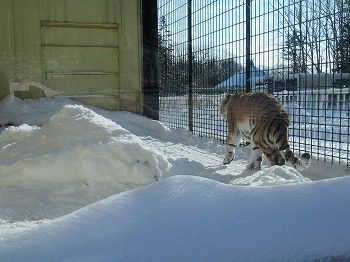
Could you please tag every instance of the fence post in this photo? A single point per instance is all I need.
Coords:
(150, 53)
(247, 52)
(189, 56)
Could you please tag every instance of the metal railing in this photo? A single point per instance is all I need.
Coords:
(299, 51)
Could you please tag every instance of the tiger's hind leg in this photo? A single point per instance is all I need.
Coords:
(232, 141)
(274, 156)
(255, 159)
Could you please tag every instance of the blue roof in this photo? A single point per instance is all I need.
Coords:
(239, 79)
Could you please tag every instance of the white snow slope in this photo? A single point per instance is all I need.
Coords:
(81, 184)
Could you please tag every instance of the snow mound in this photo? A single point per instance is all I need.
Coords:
(186, 218)
(32, 112)
(278, 175)
(76, 150)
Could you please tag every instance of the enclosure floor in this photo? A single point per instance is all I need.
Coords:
(204, 159)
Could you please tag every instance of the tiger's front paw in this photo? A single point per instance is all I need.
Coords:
(228, 158)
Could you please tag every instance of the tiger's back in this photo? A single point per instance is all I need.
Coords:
(261, 119)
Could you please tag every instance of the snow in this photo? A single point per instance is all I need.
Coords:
(79, 183)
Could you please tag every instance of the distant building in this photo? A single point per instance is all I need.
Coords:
(237, 82)
(294, 82)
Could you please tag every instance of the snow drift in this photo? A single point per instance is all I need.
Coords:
(76, 149)
(194, 219)
(61, 160)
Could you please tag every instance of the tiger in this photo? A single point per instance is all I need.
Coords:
(261, 120)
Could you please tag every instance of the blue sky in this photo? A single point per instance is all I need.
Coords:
(219, 27)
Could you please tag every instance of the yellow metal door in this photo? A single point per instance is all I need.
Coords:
(80, 54)
(74, 48)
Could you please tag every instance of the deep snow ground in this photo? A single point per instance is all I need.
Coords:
(171, 197)
(186, 218)
(59, 156)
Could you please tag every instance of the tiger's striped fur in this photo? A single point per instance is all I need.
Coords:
(260, 119)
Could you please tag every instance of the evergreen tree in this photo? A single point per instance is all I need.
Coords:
(165, 57)
(293, 52)
(342, 45)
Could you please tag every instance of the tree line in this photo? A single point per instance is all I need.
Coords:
(315, 39)
(207, 69)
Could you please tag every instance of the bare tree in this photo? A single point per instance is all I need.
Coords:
(342, 41)
(320, 32)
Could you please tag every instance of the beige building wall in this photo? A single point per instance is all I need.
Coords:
(89, 50)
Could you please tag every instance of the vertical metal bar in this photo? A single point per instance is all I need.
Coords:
(189, 57)
(247, 53)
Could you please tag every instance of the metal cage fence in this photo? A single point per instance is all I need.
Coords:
(299, 51)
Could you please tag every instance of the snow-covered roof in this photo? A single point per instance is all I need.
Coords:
(239, 79)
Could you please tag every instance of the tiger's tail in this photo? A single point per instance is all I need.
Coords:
(280, 139)
(299, 164)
